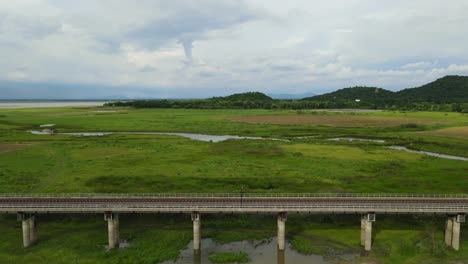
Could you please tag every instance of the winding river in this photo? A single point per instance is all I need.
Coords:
(219, 138)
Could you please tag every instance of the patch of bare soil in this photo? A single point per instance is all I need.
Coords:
(452, 132)
(12, 147)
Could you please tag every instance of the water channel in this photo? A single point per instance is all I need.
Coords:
(219, 138)
(433, 154)
(259, 252)
(200, 137)
(357, 139)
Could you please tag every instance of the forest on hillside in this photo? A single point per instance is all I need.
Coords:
(449, 93)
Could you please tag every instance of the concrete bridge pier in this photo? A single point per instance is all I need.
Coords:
(366, 230)
(113, 229)
(455, 230)
(282, 216)
(196, 232)
(29, 228)
(456, 235)
(452, 230)
(32, 229)
(448, 231)
(117, 230)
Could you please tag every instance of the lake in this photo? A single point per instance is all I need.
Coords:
(30, 104)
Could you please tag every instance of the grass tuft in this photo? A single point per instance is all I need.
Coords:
(229, 257)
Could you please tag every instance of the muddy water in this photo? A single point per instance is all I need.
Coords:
(260, 252)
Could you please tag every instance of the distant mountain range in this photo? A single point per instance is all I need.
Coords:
(449, 89)
(249, 96)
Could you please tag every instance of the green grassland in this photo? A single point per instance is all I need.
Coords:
(159, 163)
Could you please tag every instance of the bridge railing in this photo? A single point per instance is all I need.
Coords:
(233, 195)
(194, 206)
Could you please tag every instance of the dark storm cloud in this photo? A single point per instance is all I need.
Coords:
(188, 21)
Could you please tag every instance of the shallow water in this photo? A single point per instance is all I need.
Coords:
(200, 137)
(47, 125)
(41, 132)
(433, 154)
(29, 104)
(217, 138)
(105, 111)
(87, 134)
(306, 137)
(260, 252)
(358, 139)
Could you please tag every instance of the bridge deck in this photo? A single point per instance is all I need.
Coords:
(211, 203)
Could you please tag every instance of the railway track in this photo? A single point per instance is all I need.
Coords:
(233, 200)
(232, 203)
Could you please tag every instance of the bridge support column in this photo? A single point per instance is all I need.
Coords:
(196, 232)
(363, 230)
(461, 218)
(32, 229)
(113, 229)
(456, 235)
(448, 231)
(452, 230)
(366, 230)
(117, 230)
(282, 216)
(28, 227)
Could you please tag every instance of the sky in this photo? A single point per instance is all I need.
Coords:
(202, 48)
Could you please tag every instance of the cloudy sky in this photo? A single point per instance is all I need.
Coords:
(199, 48)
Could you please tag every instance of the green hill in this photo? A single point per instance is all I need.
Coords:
(449, 93)
(249, 96)
(363, 94)
(449, 89)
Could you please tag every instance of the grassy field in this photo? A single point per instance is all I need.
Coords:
(338, 120)
(160, 163)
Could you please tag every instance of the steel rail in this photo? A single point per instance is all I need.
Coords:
(255, 195)
(235, 203)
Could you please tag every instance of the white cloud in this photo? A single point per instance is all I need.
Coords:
(272, 46)
(419, 65)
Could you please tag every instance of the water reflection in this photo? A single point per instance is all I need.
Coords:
(259, 251)
(197, 257)
(280, 257)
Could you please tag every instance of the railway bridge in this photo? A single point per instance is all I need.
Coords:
(367, 206)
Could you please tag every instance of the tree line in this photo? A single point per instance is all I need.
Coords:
(291, 104)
